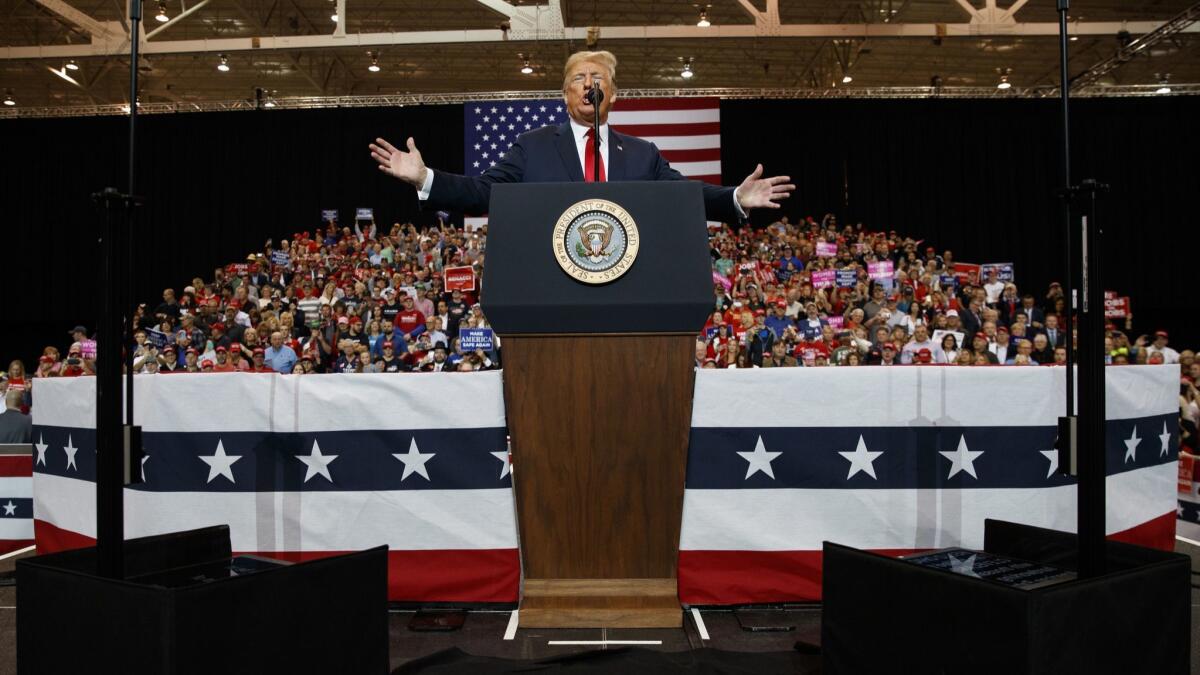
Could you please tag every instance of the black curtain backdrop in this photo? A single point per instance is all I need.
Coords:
(976, 176)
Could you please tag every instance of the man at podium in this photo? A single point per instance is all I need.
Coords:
(566, 152)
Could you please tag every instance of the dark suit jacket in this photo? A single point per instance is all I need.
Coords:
(549, 155)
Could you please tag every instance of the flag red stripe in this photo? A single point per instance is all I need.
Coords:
(645, 130)
(748, 577)
(631, 104)
(701, 155)
(10, 545)
(474, 575)
(16, 466)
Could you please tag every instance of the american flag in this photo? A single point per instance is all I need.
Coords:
(917, 465)
(686, 130)
(16, 500)
(299, 469)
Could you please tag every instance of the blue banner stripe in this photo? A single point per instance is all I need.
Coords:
(462, 460)
(13, 508)
(1189, 511)
(912, 457)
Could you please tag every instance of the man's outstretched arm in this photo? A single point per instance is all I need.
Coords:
(442, 189)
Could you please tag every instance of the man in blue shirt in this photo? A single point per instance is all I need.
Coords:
(279, 356)
(778, 322)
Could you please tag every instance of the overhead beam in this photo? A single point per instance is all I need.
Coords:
(176, 19)
(97, 29)
(844, 31)
(766, 22)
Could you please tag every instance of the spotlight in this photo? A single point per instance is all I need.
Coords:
(526, 69)
(1074, 38)
(71, 65)
(1004, 83)
(703, 22)
(846, 79)
(269, 103)
(333, 17)
(162, 17)
(374, 67)
(223, 66)
(8, 98)
(687, 72)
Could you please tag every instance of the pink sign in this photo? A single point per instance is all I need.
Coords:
(824, 278)
(826, 249)
(838, 322)
(881, 270)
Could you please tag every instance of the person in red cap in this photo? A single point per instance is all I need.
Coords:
(191, 360)
(923, 357)
(223, 364)
(260, 365)
(168, 361)
(887, 355)
(1160, 347)
(979, 347)
(206, 366)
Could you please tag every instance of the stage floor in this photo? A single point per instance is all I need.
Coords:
(484, 634)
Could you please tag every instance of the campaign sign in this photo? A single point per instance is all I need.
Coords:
(1004, 271)
(460, 278)
(1109, 295)
(280, 258)
(1116, 308)
(328, 215)
(364, 214)
(238, 269)
(157, 338)
(958, 337)
(966, 272)
(88, 348)
(826, 249)
(837, 322)
(846, 278)
(471, 339)
(824, 278)
(947, 280)
(883, 269)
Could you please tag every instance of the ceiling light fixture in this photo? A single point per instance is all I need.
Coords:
(703, 22)
(686, 73)
(71, 65)
(162, 17)
(8, 98)
(846, 79)
(526, 69)
(334, 17)
(374, 67)
(270, 102)
(223, 66)
(1164, 85)
(1004, 83)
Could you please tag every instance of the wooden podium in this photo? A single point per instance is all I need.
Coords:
(598, 386)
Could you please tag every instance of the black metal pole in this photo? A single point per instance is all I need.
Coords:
(126, 282)
(115, 323)
(1092, 437)
(1069, 291)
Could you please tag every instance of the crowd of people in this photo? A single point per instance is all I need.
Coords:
(803, 294)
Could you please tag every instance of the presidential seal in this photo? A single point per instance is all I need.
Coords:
(595, 241)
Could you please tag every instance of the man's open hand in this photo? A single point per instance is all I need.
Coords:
(758, 192)
(407, 166)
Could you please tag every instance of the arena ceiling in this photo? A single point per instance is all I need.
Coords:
(292, 50)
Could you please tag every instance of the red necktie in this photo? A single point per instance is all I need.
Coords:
(589, 159)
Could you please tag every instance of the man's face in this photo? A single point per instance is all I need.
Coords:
(276, 340)
(921, 334)
(1052, 322)
(579, 80)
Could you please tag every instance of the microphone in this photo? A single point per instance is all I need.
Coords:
(594, 95)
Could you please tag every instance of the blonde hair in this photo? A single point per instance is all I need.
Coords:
(604, 58)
